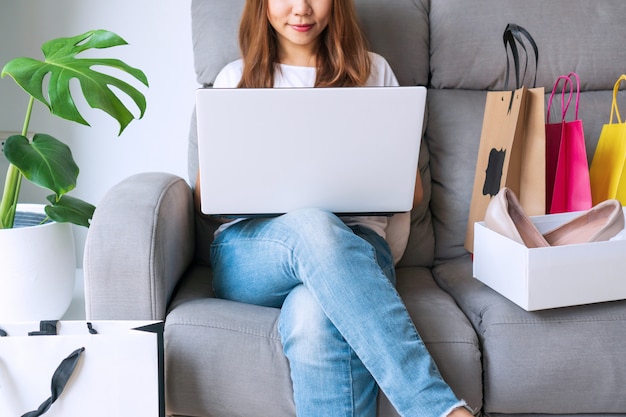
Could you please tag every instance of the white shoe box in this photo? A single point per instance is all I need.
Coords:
(558, 276)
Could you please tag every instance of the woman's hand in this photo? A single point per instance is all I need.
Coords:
(418, 194)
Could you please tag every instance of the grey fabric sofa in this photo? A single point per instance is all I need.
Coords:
(146, 253)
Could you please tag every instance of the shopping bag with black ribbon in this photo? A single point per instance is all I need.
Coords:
(76, 368)
(512, 141)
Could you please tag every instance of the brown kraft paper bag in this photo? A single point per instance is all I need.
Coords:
(512, 149)
(511, 153)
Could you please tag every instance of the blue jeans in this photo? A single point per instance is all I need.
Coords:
(344, 328)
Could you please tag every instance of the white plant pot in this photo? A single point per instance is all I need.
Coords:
(37, 270)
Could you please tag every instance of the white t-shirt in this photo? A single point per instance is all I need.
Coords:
(394, 229)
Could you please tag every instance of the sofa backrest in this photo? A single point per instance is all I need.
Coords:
(455, 47)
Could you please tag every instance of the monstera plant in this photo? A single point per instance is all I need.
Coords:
(44, 160)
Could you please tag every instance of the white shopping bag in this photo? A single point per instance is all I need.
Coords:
(76, 368)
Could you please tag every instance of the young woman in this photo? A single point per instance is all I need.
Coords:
(344, 329)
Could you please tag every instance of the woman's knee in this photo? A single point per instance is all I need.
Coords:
(304, 328)
(320, 232)
(313, 221)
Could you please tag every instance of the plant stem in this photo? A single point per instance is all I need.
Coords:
(9, 197)
(13, 182)
(29, 112)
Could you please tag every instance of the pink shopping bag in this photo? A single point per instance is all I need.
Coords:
(567, 171)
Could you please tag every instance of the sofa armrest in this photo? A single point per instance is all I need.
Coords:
(139, 244)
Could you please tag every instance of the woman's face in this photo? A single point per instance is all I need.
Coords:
(298, 24)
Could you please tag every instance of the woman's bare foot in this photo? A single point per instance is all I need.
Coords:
(460, 412)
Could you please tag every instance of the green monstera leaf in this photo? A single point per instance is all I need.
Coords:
(48, 162)
(62, 65)
(69, 209)
(45, 161)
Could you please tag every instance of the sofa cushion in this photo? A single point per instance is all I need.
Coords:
(420, 249)
(398, 30)
(223, 357)
(452, 137)
(226, 358)
(467, 51)
(560, 361)
(214, 29)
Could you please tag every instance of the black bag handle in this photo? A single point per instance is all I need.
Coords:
(63, 372)
(514, 34)
(59, 379)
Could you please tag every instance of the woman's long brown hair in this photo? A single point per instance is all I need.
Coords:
(342, 57)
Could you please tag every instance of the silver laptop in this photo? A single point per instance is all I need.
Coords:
(265, 152)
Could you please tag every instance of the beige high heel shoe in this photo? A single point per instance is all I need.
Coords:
(601, 222)
(505, 215)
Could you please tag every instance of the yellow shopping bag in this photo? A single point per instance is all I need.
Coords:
(608, 166)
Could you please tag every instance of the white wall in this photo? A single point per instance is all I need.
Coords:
(159, 37)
